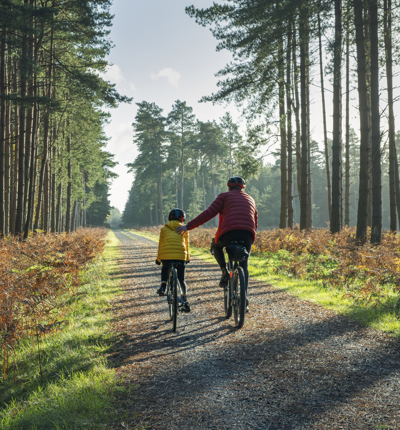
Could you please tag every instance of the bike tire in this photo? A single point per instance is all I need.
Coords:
(227, 300)
(174, 299)
(239, 297)
(170, 296)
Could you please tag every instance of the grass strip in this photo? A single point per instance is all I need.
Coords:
(381, 316)
(73, 387)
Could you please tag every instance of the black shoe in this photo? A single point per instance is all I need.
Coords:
(161, 290)
(185, 307)
(224, 281)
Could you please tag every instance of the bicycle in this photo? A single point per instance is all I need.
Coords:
(174, 294)
(235, 292)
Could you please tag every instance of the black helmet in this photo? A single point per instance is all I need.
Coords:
(177, 214)
(237, 181)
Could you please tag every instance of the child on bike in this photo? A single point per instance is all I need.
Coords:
(173, 247)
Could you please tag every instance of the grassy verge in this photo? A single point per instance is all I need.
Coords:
(381, 316)
(72, 387)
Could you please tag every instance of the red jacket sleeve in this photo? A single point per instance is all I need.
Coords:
(214, 209)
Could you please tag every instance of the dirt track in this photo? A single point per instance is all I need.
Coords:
(294, 365)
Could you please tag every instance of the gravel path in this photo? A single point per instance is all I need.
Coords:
(294, 365)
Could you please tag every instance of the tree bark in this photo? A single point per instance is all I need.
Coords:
(69, 187)
(304, 221)
(347, 143)
(393, 178)
(283, 213)
(297, 114)
(3, 90)
(336, 221)
(289, 129)
(321, 71)
(376, 230)
(362, 210)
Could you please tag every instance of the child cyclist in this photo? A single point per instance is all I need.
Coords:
(173, 247)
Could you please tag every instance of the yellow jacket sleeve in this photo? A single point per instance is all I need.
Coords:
(187, 245)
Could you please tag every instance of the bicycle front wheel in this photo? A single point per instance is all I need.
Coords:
(227, 300)
(239, 297)
(174, 304)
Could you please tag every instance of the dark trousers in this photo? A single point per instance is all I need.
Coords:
(225, 240)
(180, 269)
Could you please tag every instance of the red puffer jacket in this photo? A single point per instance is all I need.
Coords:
(237, 211)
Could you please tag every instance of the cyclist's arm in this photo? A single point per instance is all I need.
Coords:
(214, 209)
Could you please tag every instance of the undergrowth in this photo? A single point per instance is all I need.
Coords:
(63, 381)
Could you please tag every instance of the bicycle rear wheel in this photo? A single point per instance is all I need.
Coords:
(239, 297)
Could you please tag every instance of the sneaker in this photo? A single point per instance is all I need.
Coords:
(185, 306)
(161, 290)
(224, 281)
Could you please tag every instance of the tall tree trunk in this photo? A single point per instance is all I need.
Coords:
(32, 179)
(336, 220)
(392, 140)
(216, 219)
(59, 209)
(283, 214)
(45, 211)
(14, 179)
(8, 183)
(347, 150)
(46, 130)
(362, 211)
(69, 187)
(367, 43)
(176, 189)
(289, 129)
(204, 193)
(159, 186)
(297, 113)
(303, 34)
(3, 90)
(376, 230)
(309, 178)
(73, 217)
(156, 210)
(321, 71)
(53, 189)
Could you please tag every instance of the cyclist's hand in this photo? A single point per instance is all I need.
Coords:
(157, 262)
(181, 229)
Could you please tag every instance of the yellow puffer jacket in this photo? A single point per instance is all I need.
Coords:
(173, 246)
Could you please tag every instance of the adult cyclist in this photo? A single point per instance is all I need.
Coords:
(238, 220)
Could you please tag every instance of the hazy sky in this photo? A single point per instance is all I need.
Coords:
(161, 55)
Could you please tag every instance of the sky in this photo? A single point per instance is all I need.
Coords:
(161, 55)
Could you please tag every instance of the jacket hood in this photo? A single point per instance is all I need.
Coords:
(173, 224)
